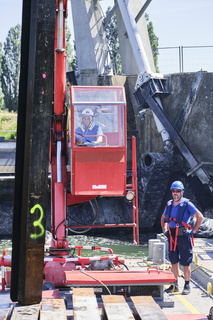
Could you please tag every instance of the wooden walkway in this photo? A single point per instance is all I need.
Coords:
(48, 309)
(85, 307)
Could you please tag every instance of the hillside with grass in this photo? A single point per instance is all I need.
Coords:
(8, 125)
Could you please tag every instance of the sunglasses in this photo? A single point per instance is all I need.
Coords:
(176, 191)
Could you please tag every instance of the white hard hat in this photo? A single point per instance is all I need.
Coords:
(87, 112)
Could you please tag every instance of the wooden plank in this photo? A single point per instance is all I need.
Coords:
(53, 309)
(116, 308)
(147, 308)
(26, 312)
(85, 304)
(6, 307)
(3, 314)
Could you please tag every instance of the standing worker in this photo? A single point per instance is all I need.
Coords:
(175, 225)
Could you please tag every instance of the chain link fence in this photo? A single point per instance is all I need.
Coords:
(185, 59)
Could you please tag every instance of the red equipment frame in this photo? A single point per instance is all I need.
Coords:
(59, 267)
(133, 186)
(109, 161)
(99, 169)
(103, 166)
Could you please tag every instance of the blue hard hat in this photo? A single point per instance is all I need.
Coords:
(177, 185)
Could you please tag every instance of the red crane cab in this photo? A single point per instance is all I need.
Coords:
(98, 141)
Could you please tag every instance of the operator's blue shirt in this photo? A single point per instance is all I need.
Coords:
(88, 135)
(188, 213)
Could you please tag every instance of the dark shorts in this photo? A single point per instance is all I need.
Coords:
(183, 253)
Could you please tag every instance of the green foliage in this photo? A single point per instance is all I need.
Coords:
(1, 99)
(1, 94)
(10, 68)
(1, 54)
(153, 41)
(8, 124)
(113, 43)
(71, 58)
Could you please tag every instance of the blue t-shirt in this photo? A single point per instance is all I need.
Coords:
(188, 213)
(88, 135)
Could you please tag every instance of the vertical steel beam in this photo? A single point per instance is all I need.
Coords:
(32, 150)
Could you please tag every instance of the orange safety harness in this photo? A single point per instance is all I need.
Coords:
(178, 220)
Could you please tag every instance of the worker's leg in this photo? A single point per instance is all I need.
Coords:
(175, 270)
(174, 259)
(187, 273)
(173, 256)
(185, 260)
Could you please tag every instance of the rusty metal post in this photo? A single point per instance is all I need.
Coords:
(32, 150)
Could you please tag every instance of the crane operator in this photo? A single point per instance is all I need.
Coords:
(88, 133)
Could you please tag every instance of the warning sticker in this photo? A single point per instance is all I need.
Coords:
(99, 186)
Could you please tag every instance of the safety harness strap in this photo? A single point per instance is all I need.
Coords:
(178, 220)
(182, 207)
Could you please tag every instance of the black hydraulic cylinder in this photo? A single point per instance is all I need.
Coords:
(32, 149)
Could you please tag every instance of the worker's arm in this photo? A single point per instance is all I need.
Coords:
(99, 136)
(199, 218)
(98, 140)
(164, 225)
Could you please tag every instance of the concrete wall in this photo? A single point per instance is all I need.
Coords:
(91, 45)
(190, 108)
(90, 37)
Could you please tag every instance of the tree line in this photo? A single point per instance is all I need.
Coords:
(10, 52)
(10, 69)
(10, 55)
(113, 42)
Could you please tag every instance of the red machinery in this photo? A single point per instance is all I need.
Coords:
(99, 170)
(81, 172)
(89, 170)
(86, 170)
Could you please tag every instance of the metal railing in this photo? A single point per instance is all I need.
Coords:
(185, 59)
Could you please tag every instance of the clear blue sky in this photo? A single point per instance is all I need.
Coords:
(180, 22)
(10, 16)
(176, 22)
